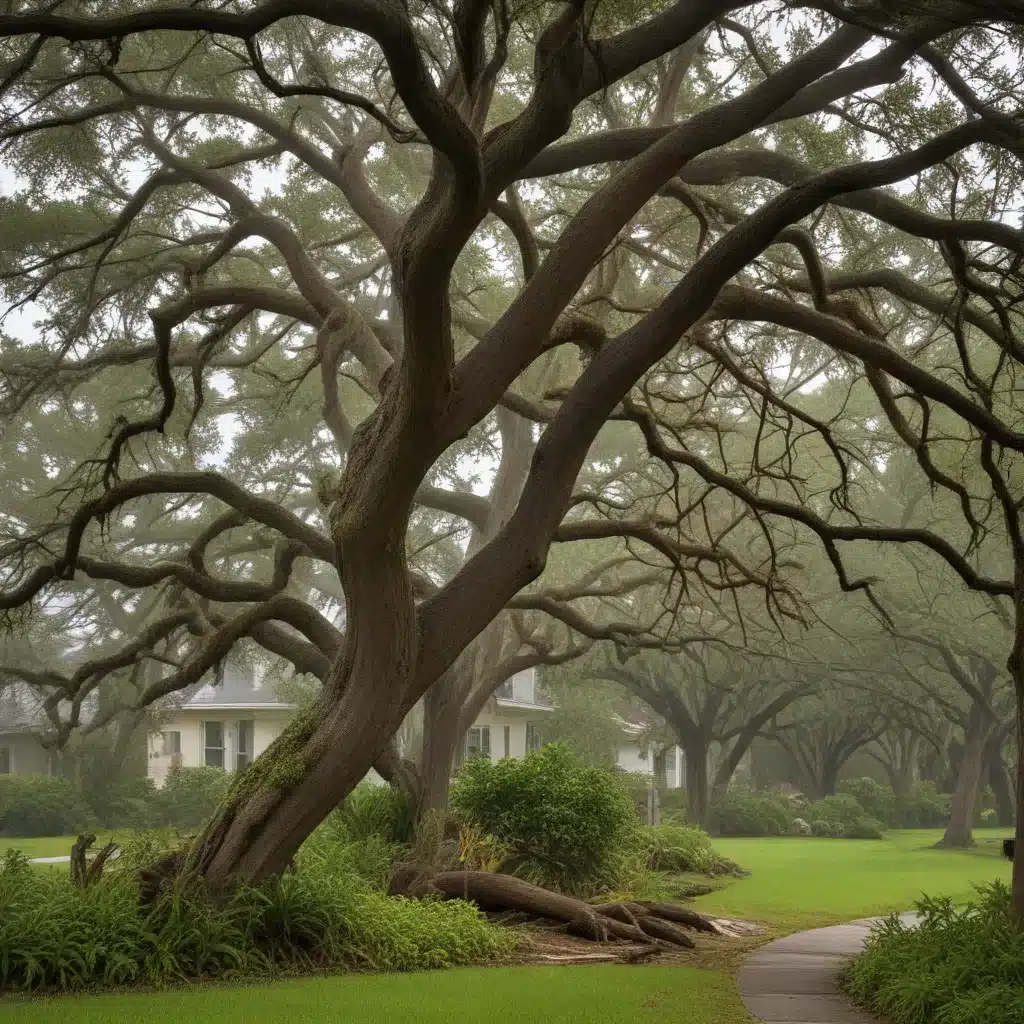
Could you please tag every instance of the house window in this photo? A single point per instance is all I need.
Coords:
(213, 744)
(171, 743)
(505, 690)
(532, 737)
(5, 760)
(670, 763)
(244, 754)
(478, 742)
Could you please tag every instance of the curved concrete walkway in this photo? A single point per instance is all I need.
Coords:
(794, 980)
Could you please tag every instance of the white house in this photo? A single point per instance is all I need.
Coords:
(228, 724)
(225, 725)
(21, 749)
(636, 754)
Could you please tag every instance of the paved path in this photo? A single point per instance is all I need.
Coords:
(794, 980)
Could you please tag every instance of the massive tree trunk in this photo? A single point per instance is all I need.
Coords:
(1015, 663)
(698, 797)
(999, 780)
(972, 764)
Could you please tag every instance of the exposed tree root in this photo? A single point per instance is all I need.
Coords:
(652, 924)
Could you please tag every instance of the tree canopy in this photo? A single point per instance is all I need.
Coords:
(707, 295)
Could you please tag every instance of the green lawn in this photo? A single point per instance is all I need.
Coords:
(45, 846)
(538, 995)
(807, 883)
(795, 884)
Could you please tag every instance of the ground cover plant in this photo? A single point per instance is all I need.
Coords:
(955, 966)
(323, 914)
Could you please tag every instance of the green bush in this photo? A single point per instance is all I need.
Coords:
(825, 829)
(865, 828)
(321, 915)
(956, 967)
(683, 848)
(375, 810)
(923, 807)
(567, 825)
(40, 805)
(742, 813)
(131, 802)
(878, 801)
(843, 809)
(191, 795)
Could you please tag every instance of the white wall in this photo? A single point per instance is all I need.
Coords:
(267, 726)
(27, 756)
(497, 723)
(630, 759)
(524, 686)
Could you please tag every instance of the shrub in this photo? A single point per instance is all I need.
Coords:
(955, 967)
(322, 915)
(375, 810)
(865, 828)
(923, 807)
(40, 805)
(841, 809)
(191, 795)
(799, 827)
(753, 814)
(878, 801)
(567, 825)
(131, 802)
(683, 848)
(827, 829)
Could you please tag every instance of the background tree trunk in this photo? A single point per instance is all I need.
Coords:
(972, 764)
(999, 780)
(698, 801)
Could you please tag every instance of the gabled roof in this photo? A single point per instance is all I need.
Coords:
(238, 690)
(21, 708)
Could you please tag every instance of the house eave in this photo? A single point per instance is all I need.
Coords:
(522, 705)
(237, 707)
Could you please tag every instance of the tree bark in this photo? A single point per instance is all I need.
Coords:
(1015, 663)
(999, 780)
(635, 922)
(958, 832)
(698, 798)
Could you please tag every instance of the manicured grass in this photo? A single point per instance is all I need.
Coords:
(809, 883)
(529, 995)
(43, 846)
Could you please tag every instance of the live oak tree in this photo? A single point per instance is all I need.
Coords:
(722, 200)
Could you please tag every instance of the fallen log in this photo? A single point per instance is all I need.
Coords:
(681, 915)
(649, 924)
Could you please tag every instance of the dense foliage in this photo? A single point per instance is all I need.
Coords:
(40, 805)
(565, 823)
(378, 811)
(742, 813)
(683, 848)
(324, 914)
(922, 807)
(957, 966)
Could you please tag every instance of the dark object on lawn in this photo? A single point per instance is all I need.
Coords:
(1008, 845)
(649, 923)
